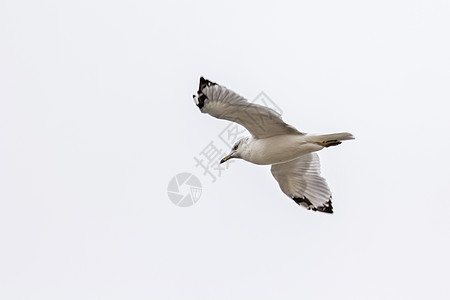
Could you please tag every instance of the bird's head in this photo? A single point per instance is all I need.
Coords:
(237, 149)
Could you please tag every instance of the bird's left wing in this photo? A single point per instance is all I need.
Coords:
(300, 179)
(222, 103)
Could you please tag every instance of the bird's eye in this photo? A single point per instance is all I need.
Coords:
(235, 147)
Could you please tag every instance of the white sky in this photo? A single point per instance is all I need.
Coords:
(96, 117)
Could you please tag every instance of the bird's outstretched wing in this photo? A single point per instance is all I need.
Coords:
(300, 179)
(222, 103)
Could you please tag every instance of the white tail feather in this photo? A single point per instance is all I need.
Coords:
(332, 139)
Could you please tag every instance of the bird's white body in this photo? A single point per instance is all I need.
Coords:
(277, 149)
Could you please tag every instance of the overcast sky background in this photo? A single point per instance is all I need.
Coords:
(96, 117)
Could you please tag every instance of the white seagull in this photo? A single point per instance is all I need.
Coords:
(295, 165)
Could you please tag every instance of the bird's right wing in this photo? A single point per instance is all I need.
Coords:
(222, 103)
(300, 179)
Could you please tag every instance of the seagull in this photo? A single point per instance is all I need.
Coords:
(295, 165)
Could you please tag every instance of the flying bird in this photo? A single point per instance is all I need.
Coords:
(295, 165)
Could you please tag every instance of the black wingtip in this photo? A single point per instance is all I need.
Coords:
(326, 208)
(201, 100)
(201, 97)
(204, 83)
(201, 84)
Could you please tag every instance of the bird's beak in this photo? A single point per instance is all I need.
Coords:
(226, 158)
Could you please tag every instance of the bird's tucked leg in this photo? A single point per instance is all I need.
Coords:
(329, 143)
